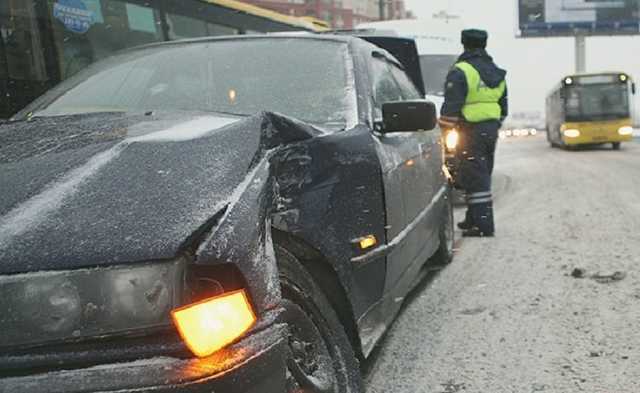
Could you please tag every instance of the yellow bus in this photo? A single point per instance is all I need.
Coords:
(589, 109)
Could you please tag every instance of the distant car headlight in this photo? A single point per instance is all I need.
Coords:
(59, 305)
(571, 133)
(626, 130)
(451, 140)
(533, 132)
(508, 132)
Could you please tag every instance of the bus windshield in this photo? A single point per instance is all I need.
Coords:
(434, 72)
(597, 102)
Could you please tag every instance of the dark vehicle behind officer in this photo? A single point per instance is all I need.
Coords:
(476, 99)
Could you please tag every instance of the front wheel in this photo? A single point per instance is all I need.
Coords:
(616, 145)
(320, 357)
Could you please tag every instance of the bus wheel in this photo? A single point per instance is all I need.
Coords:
(616, 145)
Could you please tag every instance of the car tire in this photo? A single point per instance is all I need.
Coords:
(446, 234)
(616, 145)
(320, 356)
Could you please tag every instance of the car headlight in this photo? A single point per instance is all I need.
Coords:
(571, 133)
(53, 306)
(451, 139)
(626, 130)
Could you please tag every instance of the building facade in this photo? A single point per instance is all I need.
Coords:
(43, 42)
(339, 14)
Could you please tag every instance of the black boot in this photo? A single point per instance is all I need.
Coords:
(465, 225)
(476, 232)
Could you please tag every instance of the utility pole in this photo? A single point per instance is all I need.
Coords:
(581, 53)
(381, 4)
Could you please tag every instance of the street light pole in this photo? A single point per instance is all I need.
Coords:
(581, 53)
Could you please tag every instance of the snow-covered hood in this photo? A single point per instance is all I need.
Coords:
(94, 190)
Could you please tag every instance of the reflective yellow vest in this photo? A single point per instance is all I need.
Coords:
(482, 102)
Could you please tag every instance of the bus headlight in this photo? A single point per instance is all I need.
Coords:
(626, 130)
(451, 139)
(572, 133)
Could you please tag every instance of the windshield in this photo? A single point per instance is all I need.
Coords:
(221, 76)
(596, 102)
(434, 72)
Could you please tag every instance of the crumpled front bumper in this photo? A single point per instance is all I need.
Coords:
(255, 364)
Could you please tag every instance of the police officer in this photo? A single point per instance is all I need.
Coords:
(476, 95)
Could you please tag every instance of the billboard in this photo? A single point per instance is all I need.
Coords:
(544, 18)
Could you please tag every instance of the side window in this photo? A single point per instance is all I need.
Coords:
(103, 28)
(385, 88)
(22, 54)
(409, 91)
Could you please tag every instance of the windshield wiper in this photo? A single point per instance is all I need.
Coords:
(230, 113)
(44, 114)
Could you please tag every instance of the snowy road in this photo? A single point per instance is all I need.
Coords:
(507, 315)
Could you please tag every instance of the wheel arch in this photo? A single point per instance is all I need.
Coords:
(327, 278)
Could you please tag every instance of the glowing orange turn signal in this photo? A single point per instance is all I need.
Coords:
(368, 242)
(214, 323)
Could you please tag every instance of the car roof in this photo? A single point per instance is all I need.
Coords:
(241, 37)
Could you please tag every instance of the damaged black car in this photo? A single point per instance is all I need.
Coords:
(240, 214)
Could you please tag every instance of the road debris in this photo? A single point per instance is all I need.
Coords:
(602, 278)
(578, 273)
(609, 277)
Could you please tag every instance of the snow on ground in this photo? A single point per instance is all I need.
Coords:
(508, 315)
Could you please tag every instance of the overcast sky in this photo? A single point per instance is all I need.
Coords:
(534, 65)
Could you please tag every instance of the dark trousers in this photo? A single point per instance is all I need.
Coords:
(475, 173)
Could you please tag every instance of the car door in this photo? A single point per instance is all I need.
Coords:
(425, 182)
(401, 155)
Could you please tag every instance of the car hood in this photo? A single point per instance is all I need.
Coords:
(94, 190)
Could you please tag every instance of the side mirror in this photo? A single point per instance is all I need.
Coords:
(409, 116)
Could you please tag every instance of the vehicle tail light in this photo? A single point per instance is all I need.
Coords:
(214, 323)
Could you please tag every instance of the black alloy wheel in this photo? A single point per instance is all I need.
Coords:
(320, 357)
